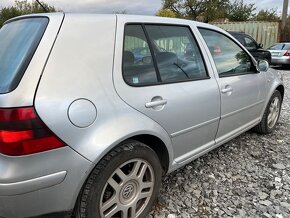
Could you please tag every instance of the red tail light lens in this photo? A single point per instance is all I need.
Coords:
(23, 133)
(287, 53)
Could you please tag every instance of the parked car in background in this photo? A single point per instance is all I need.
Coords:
(94, 109)
(254, 48)
(280, 53)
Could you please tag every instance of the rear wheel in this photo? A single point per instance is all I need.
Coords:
(124, 184)
(271, 114)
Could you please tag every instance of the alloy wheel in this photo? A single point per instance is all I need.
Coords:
(274, 111)
(128, 190)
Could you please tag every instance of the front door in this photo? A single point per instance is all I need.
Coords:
(240, 83)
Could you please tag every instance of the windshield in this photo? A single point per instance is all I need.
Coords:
(18, 42)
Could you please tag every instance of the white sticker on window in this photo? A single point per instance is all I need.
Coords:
(135, 80)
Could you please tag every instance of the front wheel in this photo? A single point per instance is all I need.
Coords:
(124, 184)
(271, 114)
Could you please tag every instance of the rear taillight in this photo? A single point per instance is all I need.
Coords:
(23, 133)
(287, 53)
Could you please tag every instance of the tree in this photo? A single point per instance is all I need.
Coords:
(211, 10)
(173, 5)
(203, 10)
(22, 7)
(215, 10)
(240, 11)
(267, 15)
(166, 13)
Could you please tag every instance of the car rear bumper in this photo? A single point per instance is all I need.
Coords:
(280, 60)
(44, 183)
(22, 187)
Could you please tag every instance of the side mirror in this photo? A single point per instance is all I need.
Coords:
(260, 45)
(262, 65)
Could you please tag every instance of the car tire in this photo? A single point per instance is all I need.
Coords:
(271, 114)
(125, 183)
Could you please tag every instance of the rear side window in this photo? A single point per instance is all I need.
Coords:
(177, 54)
(156, 54)
(280, 47)
(138, 68)
(18, 42)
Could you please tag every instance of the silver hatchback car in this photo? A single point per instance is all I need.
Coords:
(96, 108)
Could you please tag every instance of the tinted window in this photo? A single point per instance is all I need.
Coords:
(138, 67)
(229, 58)
(177, 54)
(18, 42)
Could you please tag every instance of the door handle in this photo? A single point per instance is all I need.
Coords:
(153, 104)
(227, 89)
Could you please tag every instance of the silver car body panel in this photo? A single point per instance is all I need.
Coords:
(22, 187)
(36, 183)
(281, 60)
(278, 55)
(83, 60)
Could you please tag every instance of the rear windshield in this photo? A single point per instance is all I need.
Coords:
(280, 46)
(18, 42)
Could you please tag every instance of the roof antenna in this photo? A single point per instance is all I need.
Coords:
(43, 7)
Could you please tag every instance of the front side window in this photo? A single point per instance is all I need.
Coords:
(18, 42)
(177, 54)
(250, 44)
(138, 67)
(229, 58)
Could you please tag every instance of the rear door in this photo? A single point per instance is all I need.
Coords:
(241, 85)
(170, 83)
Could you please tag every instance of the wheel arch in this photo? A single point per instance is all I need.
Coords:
(281, 89)
(158, 146)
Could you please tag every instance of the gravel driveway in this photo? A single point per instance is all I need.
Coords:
(246, 177)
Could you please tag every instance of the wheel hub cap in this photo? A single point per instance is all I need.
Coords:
(128, 192)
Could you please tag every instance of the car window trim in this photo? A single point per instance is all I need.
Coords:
(245, 50)
(153, 57)
(159, 80)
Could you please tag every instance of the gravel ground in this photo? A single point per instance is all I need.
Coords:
(246, 177)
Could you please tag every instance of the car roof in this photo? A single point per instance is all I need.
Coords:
(129, 18)
(125, 18)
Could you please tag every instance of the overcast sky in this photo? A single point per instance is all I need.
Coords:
(148, 7)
